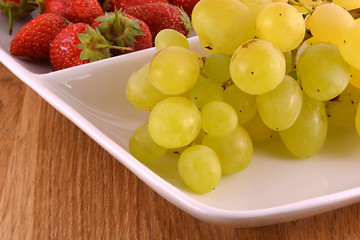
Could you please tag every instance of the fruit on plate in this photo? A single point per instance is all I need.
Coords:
(16, 9)
(77, 44)
(124, 30)
(34, 38)
(271, 78)
(159, 16)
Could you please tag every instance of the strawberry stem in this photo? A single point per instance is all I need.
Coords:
(113, 47)
(10, 20)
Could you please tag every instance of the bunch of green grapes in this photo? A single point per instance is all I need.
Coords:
(188, 114)
(287, 68)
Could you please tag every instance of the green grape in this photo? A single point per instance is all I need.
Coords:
(205, 90)
(308, 133)
(347, 4)
(197, 140)
(322, 71)
(288, 60)
(174, 122)
(140, 92)
(256, 6)
(341, 110)
(243, 103)
(199, 168)
(143, 147)
(357, 119)
(217, 67)
(328, 22)
(257, 67)
(350, 45)
(218, 118)
(281, 24)
(280, 107)
(170, 37)
(174, 70)
(355, 77)
(223, 25)
(257, 129)
(235, 150)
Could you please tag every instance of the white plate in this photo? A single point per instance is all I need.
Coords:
(275, 187)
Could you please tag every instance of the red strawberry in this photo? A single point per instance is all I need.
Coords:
(33, 39)
(159, 16)
(16, 9)
(187, 5)
(124, 30)
(74, 10)
(78, 44)
(111, 5)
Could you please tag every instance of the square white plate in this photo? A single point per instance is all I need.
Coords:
(276, 187)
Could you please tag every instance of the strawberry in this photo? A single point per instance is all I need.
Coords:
(73, 10)
(187, 5)
(124, 30)
(112, 5)
(78, 44)
(33, 39)
(16, 9)
(159, 16)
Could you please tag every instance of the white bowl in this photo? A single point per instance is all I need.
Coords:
(275, 188)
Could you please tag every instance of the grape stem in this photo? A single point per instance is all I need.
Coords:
(297, 3)
(355, 13)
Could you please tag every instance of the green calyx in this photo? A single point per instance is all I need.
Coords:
(95, 47)
(186, 20)
(16, 10)
(119, 29)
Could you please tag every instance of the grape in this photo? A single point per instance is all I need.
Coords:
(257, 67)
(347, 4)
(235, 150)
(142, 147)
(174, 122)
(170, 37)
(310, 41)
(199, 168)
(174, 70)
(357, 119)
(355, 77)
(140, 92)
(281, 24)
(206, 90)
(322, 71)
(217, 67)
(218, 118)
(243, 103)
(223, 25)
(256, 6)
(341, 110)
(288, 60)
(350, 45)
(257, 129)
(328, 22)
(308, 133)
(280, 107)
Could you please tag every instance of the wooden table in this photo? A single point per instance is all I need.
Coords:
(57, 183)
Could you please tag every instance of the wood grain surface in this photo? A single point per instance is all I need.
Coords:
(57, 183)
